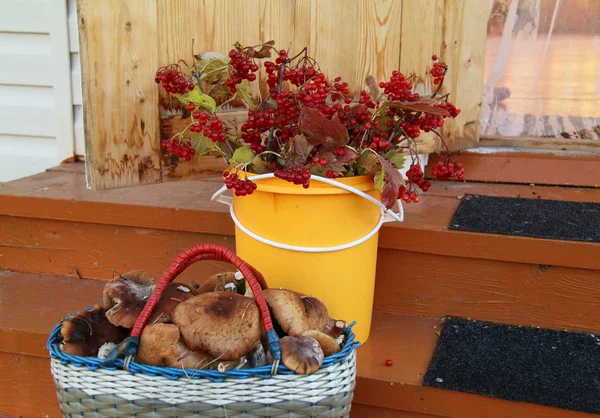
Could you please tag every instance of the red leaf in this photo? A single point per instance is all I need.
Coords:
(373, 87)
(263, 52)
(349, 156)
(321, 131)
(422, 105)
(332, 162)
(392, 180)
(299, 151)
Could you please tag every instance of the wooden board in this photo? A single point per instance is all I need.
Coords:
(119, 47)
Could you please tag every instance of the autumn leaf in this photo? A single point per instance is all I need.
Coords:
(322, 131)
(258, 166)
(213, 66)
(392, 180)
(349, 156)
(367, 163)
(299, 151)
(244, 93)
(332, 162)
(373, 87)
(421, 105)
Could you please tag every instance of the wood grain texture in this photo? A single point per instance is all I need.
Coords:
(514, 293)
(368, 411)
(118, 47)
(26, 387)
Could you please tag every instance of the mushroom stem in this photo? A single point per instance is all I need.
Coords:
(230, 287)
(240, 283)
(334, 328)
(220, 283)
(225, 366)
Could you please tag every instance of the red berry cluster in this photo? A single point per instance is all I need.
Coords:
(172, 80)
(453, 110)
(438, 71)
(242, 187)
(448, 170)
(244, 69)
(408, 196)
(296, 175)
(398, 88)
(415, 176)
(181, 149)
(428, 122)
(320, 161)
(331, 174)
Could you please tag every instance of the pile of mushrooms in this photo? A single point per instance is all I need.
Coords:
(213, 325)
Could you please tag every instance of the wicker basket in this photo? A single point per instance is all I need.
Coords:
(92, 387)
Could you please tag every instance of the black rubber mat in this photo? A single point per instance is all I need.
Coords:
(539, 218)
(528, 364)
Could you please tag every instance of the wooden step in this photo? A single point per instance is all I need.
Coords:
(51, 224)
(31, 305)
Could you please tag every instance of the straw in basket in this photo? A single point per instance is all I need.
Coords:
(114, 387)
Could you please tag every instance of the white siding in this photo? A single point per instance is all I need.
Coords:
(36, 99)
(76, 78)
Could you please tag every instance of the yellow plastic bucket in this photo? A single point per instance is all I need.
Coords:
(320, 241)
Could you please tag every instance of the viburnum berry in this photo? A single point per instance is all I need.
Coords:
(191, 107)
(448, 170)
(296, 175)
(243, 69)
(178, 148)
(389, 362)
(171, 79)
(241, 187)
(331, 174)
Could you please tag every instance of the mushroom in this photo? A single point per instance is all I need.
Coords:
(301, 354)
(84, 333)
(223, 324)
(161, 345)
(126, 295)
(327, 343)
(214, 283)
(318, 318)
(288, 310)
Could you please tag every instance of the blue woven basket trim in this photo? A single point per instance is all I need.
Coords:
(94, 363)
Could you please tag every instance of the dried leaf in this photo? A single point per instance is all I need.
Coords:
(422, 105)
(258, 166)
(201, 144)
(244, 93)
(242, 155)
(213, 66)
(373, 87)
(263, 52)
(392, 180)
(299, 151)
(201, 99)
(321, 131)
(395, 157)
(332, 162)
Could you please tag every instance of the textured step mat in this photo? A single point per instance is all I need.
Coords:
(528, 364)
(539, 218)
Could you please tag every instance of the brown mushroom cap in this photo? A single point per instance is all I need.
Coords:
(161, 345)
(288, 310)
(327, 343)
(125, 296)
(316, 313)
(209, 284)
(84, 333)
(301, 354)
(223, 324)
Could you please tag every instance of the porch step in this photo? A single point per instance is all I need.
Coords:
(30, 306)
(51, 224)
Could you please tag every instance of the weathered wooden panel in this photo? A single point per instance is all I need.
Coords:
(119, 56)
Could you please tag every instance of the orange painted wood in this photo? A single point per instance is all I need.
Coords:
(368, 411)
(26, 387)
(186, 206)
(407, 340)
(525, 294)
(526, 168)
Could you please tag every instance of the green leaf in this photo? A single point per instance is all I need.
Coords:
(367, 163)
(242, 155)
(244, 93)
(200, 99)
(380, 179)
(395, 157)
(201, 144)
(214, 66)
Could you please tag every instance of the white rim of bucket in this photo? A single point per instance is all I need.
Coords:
(387, 215)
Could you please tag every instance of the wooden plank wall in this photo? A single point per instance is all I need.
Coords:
(349, 38)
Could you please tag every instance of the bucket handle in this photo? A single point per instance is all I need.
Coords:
(387, 215)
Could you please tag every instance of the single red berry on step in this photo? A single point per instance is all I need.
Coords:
(389, 362)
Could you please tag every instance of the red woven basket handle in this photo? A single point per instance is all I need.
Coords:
(199, 253)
